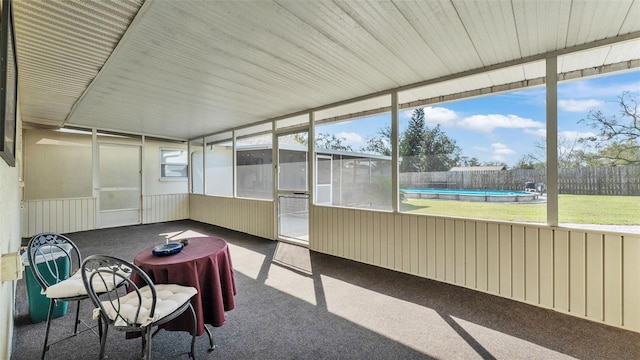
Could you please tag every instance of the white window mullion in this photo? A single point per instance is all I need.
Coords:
(552, 140)
(395, 200)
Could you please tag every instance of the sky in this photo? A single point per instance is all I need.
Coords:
(505, 127)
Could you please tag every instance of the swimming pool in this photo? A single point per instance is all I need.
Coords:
(471, 195)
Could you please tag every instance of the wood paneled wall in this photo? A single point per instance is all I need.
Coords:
(79, 214)
(167, 207)
(255, 217)
(584, 273)
(57, 215)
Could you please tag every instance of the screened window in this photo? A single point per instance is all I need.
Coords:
(254, 159)
(473, 158)
(219, 171)
(197, 166)
(353, 156)
(599, 153)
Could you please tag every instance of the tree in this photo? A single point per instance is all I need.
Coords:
(412, 143)
(440, 152)
(527, 163)
(380, 144)
(331, 142)
(616, 154)
(302, 138)
(421, 148)
(570, 154)
(493, 163)
(618, 140)
(466, 161)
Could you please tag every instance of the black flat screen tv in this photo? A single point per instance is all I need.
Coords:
(8, 85)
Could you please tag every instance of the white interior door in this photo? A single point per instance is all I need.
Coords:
(119, 190)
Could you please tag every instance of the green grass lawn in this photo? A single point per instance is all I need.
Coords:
(579, 209)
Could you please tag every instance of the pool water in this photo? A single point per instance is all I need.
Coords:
(469, 192)
(471, 195)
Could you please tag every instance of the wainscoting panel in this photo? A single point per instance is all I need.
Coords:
(505, 260)
(518, 272)
(168, 207)
(79, 214)
(532, 265)
(57, 215)
(561, 270)
(493, 259)
(613, 279)
(470, 251)
(578, 279)
(631, 283)
(255, 217)
(595, 281)
(585, 273)
(482, 268)
(546, 260)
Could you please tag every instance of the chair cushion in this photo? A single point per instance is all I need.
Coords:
(169, 298)
(74, 286)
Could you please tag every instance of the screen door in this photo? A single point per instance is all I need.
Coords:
(119, 191)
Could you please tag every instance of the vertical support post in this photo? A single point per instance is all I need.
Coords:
(95, 178)
(395, 197)
(142, 213)
(190, 167)
(275, 178)
(311, 150)
(552, 139)
(234, 165)
(204, 165)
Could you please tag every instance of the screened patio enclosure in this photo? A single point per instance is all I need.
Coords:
(343, 178)
(198, 70)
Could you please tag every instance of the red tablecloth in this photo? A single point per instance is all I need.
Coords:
(204, 264)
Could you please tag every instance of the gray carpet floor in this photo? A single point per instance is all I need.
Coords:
(297, 304)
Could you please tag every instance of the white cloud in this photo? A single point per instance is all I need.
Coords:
(406, 114)
(568, 141)
(501, 149)
(498, 152)
(573, 105)
(487, 123)
(562, 135)
(433, 115)
(350, 137)
(590, 90)
(439, 115)
(574, 135)
(541, 133)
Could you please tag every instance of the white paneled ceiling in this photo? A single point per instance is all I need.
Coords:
(61, 47)
(183, 69)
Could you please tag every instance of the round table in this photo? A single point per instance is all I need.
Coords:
(205, 264)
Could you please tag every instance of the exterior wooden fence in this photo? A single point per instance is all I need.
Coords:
(621, 180)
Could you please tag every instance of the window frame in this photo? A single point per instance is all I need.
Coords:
(163, 163)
